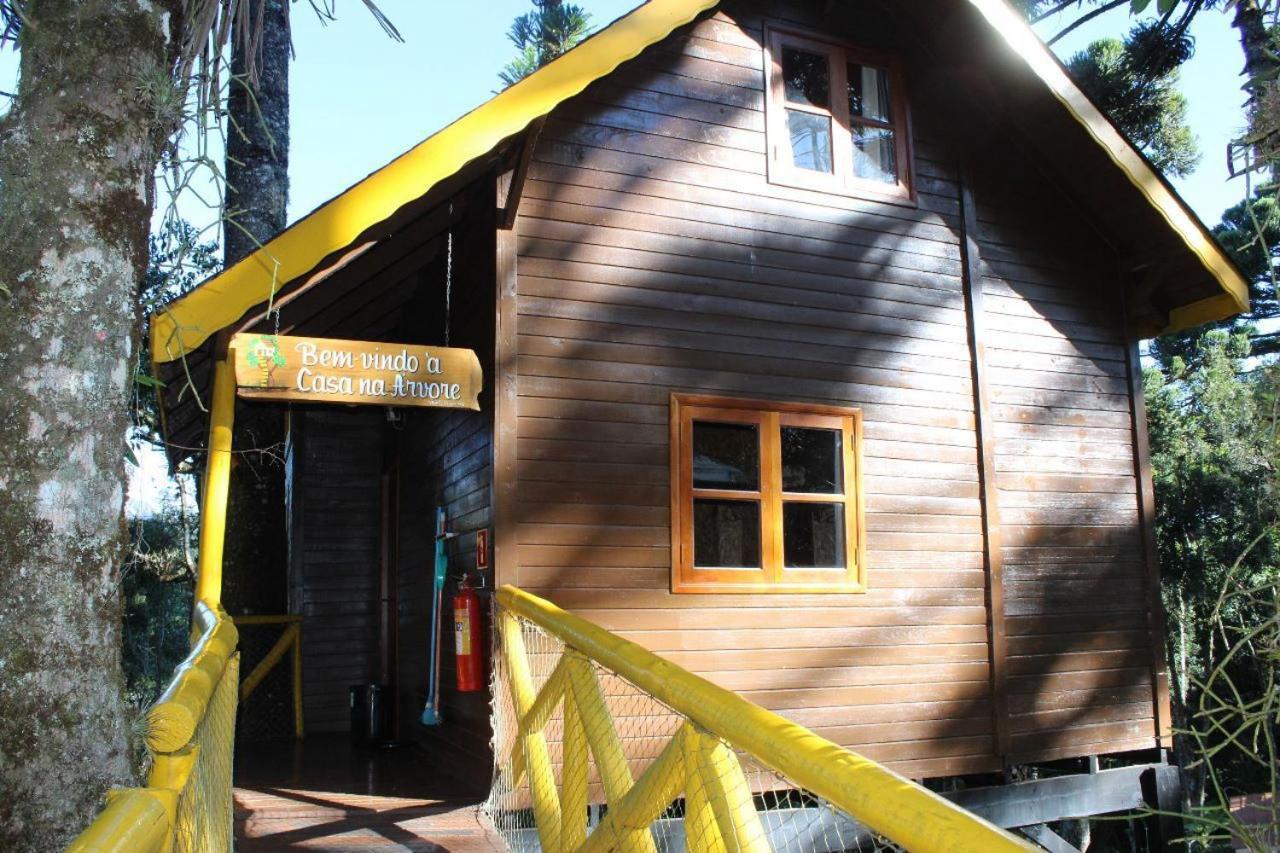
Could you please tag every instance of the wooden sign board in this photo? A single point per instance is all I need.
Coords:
(326, 370)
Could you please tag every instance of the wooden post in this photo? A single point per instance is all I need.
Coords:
(1147, 521)
(993, 556)
(298, 729)
(213, 512)
(1162, 791)
(503, 489)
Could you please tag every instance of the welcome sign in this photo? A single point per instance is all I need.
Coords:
(326, 370)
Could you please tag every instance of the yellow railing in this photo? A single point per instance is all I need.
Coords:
(186, 804)
(289, 642)
(696, 760)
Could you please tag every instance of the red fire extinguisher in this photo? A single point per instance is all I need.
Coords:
(468, 641)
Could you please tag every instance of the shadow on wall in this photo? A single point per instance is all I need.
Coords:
(655, 258)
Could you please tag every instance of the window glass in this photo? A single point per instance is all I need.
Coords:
(812, 461)
(874, 155)
(810, 140)
(726, 456)
(806, 77)
(812, 535)
(726, 534)
(869, 93)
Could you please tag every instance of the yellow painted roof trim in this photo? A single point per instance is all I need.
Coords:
(188, 322)
(1028, 46)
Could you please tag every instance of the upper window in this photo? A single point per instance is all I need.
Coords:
(837, 118)
(765, 497)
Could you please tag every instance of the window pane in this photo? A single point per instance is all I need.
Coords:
(813, 536)
(726, 534)
(806, 77)
(874, 157)
(726, 456)
(869, 93)
(812, 461)
(810, 140)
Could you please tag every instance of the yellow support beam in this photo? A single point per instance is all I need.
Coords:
(872, 794)
(213, 512)
(288, 639)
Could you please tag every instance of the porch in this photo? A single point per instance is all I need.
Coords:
(324, 793)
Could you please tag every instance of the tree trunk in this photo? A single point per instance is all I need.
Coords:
(257, 192)
(77, 158)
(1255, 41)
(1260, 70)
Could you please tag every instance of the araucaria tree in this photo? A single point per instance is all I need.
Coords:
(103, 87)
(540, 36)
(96, 99)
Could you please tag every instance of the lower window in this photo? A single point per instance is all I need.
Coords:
(765, 496)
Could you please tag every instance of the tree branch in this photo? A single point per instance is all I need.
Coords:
(1086, 18)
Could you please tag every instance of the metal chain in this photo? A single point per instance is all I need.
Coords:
(448, 278)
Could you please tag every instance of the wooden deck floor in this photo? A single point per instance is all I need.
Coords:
(323, 795)
(319, 821)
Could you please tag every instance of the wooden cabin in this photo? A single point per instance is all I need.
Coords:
(809, 340)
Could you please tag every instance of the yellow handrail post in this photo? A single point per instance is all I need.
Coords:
(701, 831)
(542, 780)
(701, 759)
(573, 794)
(725, 786)
(213, 512)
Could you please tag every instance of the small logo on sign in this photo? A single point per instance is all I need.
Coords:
(266, 356)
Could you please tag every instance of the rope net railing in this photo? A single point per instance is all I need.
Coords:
(205, 809)
(600, 745)
(186, 805)
(271, 689)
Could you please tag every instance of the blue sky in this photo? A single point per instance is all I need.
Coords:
(360, 99)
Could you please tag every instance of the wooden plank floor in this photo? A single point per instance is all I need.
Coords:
(283, 819)
(321, 794)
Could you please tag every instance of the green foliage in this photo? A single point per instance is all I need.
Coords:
(1135, 82)
(1213, 428)
(157, 585)
(542, 35)
(179, 261)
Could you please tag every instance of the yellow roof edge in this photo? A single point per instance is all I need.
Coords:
(189, 321)
(1220, 306)
(1027, 45)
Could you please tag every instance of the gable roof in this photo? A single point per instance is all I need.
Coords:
(191, 320)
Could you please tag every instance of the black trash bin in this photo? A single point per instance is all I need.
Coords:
(370, 713)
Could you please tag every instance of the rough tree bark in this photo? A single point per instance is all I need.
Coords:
(257, 170)
(77, 156)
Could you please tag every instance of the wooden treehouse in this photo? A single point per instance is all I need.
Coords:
(806, 351)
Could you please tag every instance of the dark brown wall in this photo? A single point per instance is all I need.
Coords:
(1080, 665)
(654, 256)
(334, 555)
(446, 460)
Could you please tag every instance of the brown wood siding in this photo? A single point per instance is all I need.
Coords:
(1076, 606)
(333, 578)
(653, 256)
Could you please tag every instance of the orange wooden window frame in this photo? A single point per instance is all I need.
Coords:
(782, 169)
(772, 576)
